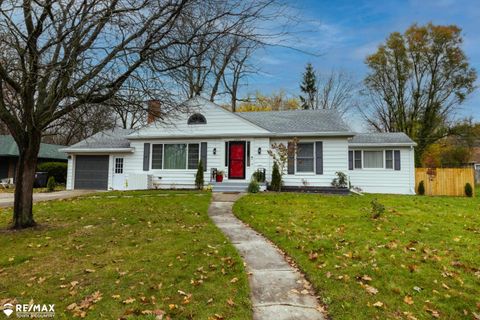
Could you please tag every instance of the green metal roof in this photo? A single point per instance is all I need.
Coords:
(8, 148)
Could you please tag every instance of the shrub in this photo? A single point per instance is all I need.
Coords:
(276, 183)
(51, 184)
(468, 190)
(253, 186)
(259, 175)
(421, 188)
(341, 181)
(378, 209)
(58, 170)
(199, 176)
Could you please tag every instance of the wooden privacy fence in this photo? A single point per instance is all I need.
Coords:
(445, 181)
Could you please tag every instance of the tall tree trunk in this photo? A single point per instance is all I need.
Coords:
(24, 179)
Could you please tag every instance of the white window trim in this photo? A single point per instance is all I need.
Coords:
(314, 162)
(186, 156)
(384, 162)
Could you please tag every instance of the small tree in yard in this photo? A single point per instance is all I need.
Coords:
(51, 184)
(468, 190)
(199, 177)
(280, 154)
(276, 183)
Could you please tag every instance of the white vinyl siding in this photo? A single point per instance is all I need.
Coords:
(335, 151)
(386, 180)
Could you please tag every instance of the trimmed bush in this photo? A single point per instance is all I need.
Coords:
(199, 176)
(259, 175)
(58, 170)
(421, 188)
(468, 190)
(253, 186)
(276, 184)
(51, 184)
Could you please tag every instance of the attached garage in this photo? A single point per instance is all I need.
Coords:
(91, 172)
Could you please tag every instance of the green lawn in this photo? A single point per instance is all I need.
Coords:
(419, 260)
(134, 254)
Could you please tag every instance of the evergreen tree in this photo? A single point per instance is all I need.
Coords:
(199, 176)
(276, 183)
(308, 88)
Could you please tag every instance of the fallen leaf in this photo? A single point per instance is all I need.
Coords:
(433, 312)
(234, 280)
(369, 289)
(378, 304)
(89, 270)
(129, 300)
(230, 302)
(408, 300)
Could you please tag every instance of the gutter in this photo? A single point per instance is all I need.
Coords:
(386, 144)
(247, 135)
(98, 150)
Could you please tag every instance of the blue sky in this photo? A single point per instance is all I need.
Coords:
(344, 32)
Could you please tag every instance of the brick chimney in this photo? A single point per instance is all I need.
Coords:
(154, 111)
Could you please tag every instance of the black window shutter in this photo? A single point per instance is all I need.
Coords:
(396, 156)
(350, 160)
(291, 159)
(226, 153)
(203, 155)
(146, 156)
(319, 157)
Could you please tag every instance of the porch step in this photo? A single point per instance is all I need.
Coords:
(229, 186)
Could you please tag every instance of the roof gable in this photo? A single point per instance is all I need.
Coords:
(219, 122)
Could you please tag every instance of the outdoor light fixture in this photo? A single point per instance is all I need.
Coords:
(259, 150)
(214, 151)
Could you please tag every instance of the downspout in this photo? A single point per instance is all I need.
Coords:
(412, 163)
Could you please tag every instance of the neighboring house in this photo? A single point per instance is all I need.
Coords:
(9, 155)
(166, 155)
(476, 161)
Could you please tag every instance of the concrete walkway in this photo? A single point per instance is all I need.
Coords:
(278, 291)
(6, 199)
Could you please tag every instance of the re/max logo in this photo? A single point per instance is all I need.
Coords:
(35, 308)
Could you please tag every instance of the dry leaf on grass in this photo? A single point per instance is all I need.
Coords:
(378, 304)
(408, 300)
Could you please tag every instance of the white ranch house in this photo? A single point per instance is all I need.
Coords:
(166, 155)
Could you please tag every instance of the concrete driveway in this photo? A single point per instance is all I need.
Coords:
(6, 199)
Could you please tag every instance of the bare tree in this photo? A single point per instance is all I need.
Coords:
(229, 53)
(60, 55)
(237, 70)
(336, 91)
(79, 124)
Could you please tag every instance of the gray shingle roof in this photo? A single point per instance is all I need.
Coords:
(382, 138)
(9, 148)
(298, 121)
(115, 138)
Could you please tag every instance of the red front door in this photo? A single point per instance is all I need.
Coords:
(236, 163)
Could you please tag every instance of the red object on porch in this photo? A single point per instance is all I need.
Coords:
(219, 178)
(236, 166)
